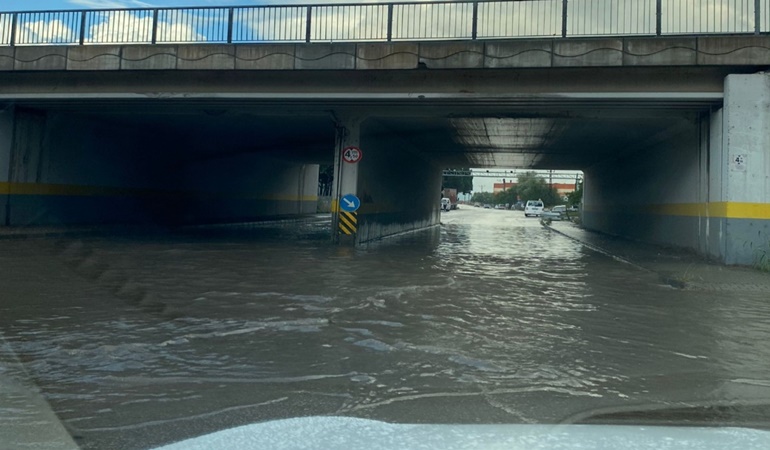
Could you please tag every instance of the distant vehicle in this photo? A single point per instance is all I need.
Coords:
(487, 206)
(572, 209)
(533, 208)
(499, 207)
(451, 194)
(519, 206)
(561, 209)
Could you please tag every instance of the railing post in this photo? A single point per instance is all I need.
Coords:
(307, 23)
(230, 14)
(564, 6)
(475, 27)
(82, 39)
(14, 20)
(154, 26)
(390, 22)
(658, 17)
(757, 16)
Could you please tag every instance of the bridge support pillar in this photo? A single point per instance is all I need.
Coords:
(739, 179)
(397, 186)
(345, 223)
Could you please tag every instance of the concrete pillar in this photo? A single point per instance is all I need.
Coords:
(397, 186)
(6, 141)
(345, 173)
(741, 192)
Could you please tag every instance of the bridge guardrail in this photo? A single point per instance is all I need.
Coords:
(385, 22)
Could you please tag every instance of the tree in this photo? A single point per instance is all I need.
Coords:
(507, 196)
(531, 186)
(483, 198)
(576, 197)
(325, 180)
(463, 184)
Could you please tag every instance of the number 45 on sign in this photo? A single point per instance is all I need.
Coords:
(351, 154)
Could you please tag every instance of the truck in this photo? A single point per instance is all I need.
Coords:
(449, 199)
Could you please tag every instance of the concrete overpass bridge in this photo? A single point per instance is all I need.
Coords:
(191, 116)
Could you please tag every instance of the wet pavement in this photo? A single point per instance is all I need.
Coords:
(141, 339)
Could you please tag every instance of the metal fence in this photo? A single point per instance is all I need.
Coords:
(439, 20)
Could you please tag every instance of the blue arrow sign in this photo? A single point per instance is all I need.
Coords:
(350, 203)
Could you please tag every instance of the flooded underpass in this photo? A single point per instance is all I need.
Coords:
(141, 339)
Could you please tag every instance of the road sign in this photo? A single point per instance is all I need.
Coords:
(350, 203)
(351, 154)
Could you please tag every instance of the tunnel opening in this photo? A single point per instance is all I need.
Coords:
(655, 168)
(160, 166)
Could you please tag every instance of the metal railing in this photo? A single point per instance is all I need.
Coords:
(465, 19)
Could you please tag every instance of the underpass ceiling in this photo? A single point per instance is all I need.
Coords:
(535, 142)
(543, 138)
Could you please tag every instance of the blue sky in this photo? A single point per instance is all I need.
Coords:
(26, 5)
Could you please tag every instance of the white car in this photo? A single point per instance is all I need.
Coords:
(533, 208)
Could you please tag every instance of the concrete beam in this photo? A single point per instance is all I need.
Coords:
(94, 57)
(149, 57)
(452, 55)
(7, 58)
(206, 57)
(727, 50)
(402, 55)
(265, 57)
(660, 52)
(513, 54)
(734, 50)
(326, 57)
(41, 58)
(588, 53)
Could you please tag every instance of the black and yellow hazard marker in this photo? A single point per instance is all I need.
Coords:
(348, 222)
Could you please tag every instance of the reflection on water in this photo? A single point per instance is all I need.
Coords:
(141, 339)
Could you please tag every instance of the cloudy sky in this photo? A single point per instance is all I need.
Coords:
(24, 5)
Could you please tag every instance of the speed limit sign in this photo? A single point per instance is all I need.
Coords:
(351, 154)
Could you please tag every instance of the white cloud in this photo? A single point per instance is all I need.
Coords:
(45, 32)
(136, 27)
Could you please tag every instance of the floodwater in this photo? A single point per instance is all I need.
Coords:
(141, 339)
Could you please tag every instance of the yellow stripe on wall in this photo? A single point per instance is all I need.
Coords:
(726, 210)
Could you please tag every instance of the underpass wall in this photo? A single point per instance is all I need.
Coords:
(6, 140)
(65, 169)
(247, 187)
(59, 168)
(653, 194)
(741, 170)
(707, 188)
(400, 190)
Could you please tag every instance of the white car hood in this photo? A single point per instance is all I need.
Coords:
(307, 433)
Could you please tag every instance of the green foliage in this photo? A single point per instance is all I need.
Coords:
(534, 187)
(483, 198)
(325, 180)
(576, 197)
(507, 196)
(463, 184)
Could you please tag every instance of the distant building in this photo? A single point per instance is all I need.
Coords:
(561, 188)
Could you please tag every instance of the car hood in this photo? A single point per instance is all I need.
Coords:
(352, 433)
